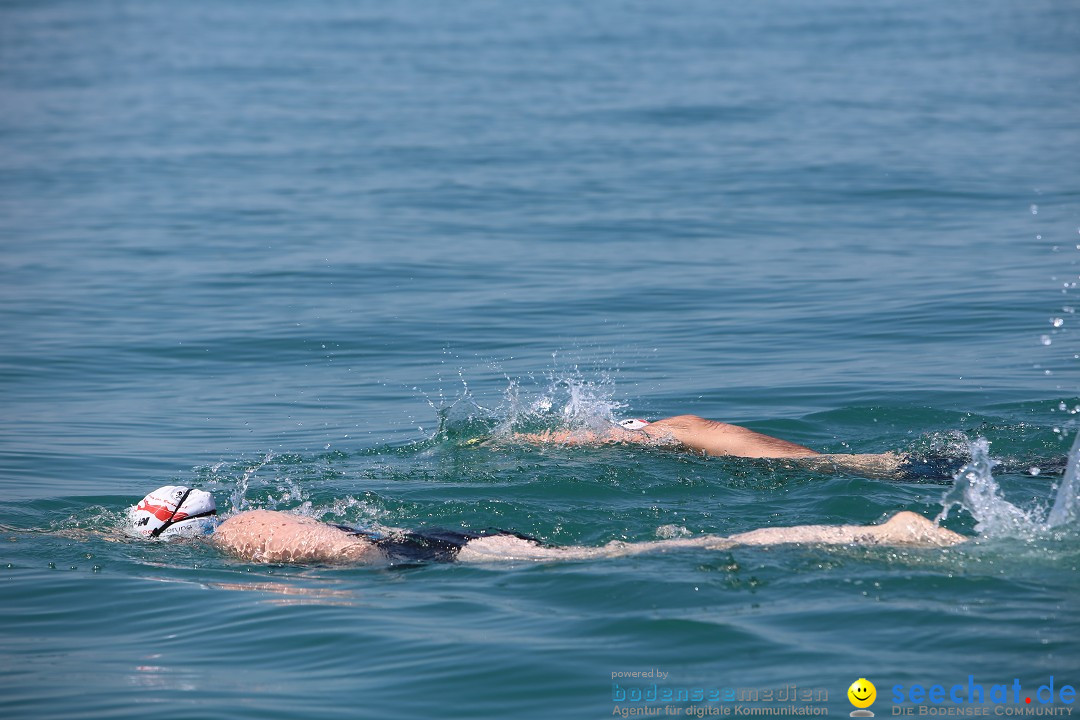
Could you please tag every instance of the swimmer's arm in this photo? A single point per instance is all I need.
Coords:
(567, 437)
(267, 536)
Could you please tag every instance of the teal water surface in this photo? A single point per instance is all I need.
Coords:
(300, 255)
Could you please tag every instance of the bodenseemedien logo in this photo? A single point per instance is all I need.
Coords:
(862, 694)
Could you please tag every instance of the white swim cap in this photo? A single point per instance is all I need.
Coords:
(632, 424)
(173, 510)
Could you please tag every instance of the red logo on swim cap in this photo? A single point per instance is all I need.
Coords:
(164, 513)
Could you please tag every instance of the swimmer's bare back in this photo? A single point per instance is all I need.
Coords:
(268, 536)
(715, 438)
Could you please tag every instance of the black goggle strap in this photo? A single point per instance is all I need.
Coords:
(170, 522)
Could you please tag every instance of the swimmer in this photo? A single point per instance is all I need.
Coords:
(714, 438)
(270, 536)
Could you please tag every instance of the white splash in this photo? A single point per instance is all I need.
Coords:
(588, 405)
(668, 532)
(567, 402)
(239, 502)
(1067, 501)
(976, 491)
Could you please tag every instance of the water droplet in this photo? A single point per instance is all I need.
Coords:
(1034, 209)
(1033, 470)
(1045, 340)
(1057, 322)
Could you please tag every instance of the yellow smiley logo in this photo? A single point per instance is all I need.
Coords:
(862, 693)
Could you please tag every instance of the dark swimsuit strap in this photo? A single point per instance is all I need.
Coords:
(429, 545)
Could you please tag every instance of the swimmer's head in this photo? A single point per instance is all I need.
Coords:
(172, 511)
(632, 424)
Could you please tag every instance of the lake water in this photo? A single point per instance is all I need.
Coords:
(301, 255)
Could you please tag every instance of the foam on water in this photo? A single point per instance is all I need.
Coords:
(976, 491)
(239, 502)
(560, 400)
(1065, 508)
